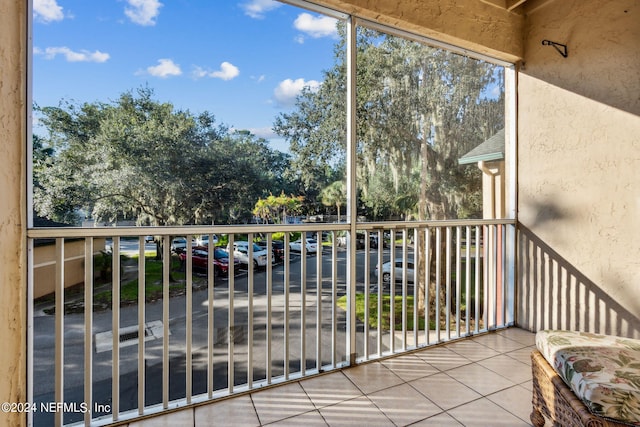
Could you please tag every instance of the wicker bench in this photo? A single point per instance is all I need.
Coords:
(556, 404)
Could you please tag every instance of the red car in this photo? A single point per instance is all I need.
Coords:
(200, 258)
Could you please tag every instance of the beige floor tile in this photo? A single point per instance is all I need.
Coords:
(472, 350)
(521, 335)
(528, 385)
(403, 405)
(371, 377)
(483, 413)
(516, 400)
(236, 411)
(281, 402)
(308, 419)
(179, 418)
(355, 412)
(523, 355)
(444, 391)
(499, 342)
(409, 367)
(480, 379)
(442, 358)
(441, 420)
(512, 369)
(330, 389)
(483, 381)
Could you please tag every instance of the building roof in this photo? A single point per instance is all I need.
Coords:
(490, 150)
(39, 221)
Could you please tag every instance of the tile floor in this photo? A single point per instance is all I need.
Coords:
(480, 381)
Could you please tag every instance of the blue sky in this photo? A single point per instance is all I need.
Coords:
(242, 60)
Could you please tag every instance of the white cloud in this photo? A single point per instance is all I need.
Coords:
(227, 71)
(258, 8)
(47, 11)
(72, 56)
(286, 92)
(143, 12)
(165, 68)
(320, 26)
(199, 72)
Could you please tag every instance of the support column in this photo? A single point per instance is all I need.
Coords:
(13, 250)
(352, 193)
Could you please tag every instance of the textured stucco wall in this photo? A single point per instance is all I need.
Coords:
(470, 24)
(44, 265)
(579, 168)
(12, 228)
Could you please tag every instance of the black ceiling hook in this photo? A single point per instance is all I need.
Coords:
(561, 48)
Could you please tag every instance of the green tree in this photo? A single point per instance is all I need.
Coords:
(140, 159)
(263, 210)
(419, 109)
(335, 195)
(276, 208)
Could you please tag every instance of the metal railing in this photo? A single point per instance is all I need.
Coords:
(156, 335)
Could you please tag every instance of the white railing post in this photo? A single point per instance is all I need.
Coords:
(210, 310)
(319, 303)
(287, 290)
(115, 328)
(88, 328)
(166, 271)
(380, 290)
(405, 279)
(250, 280)
(269, 321)
(231, 319)
(59, 327)
(189, 320)
(141, 323)
(303, 303)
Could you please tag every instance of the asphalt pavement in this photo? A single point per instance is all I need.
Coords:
(44, 337)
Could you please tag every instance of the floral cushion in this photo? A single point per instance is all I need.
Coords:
(602, 370)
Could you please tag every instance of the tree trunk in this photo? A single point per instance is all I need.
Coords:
(422, 258)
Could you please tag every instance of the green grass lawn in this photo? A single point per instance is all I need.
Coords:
(372, 316)
(153, 283)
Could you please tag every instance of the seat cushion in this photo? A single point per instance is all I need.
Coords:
(602, 370)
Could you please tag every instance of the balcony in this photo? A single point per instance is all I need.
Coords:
(481, 381)
(203, 338)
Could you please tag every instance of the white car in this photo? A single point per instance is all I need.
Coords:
(399, 266)
(179, 244)
(241, 252)
(204, 240)
(311, 245)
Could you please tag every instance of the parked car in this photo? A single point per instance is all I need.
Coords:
(149, 239)
(399, 267)
(204, 240)
(277, 248)
(311, 245)
(361, 240)
(178, 244)
(200, 259)
(241, 251)
(374, 243)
